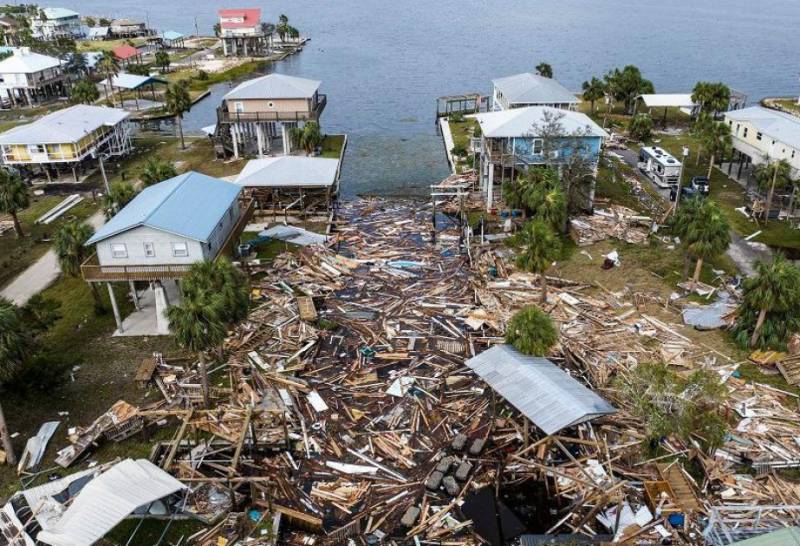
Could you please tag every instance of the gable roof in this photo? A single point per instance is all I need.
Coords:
(776, 125)
(250, 17)
(62, 126)
(275, 86)
(125, 51)
(520, 122)
(25, 61)
(527, 88)
(289, 170)
(190, 205)
(539, 389)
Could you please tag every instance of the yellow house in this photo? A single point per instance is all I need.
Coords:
(66, 138)
(762, 134)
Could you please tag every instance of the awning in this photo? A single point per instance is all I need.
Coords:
(540, 390)
(668, 100)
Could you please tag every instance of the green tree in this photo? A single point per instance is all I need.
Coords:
(544, 70)
(156, 170)
(627, 84)
(120, 193)
(282, 28)
(221, 277)
(90, 22)
(105, 22)
(544, 198)
(15, 344)
(708, 234)
(711, 98)
(640, 127)
(770, 309)
(531, 331)
(680, 223)
(197, 326)
(78, 63)
(594, 90)
(178, 102)
(217, 29)
(84, 92)
(108, 65)
(539, 248)
(308, 137)
(69, 244)
(770, 175)
(162, 60)
(716, 141)
(15, 195)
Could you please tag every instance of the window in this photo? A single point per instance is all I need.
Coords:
(758, 136)
(180, 250)
(119, 250)
(238, 107)
(538, 146)
(149, 250)
(36, 148)
(793, 152)
(270, 104)
(745, 133)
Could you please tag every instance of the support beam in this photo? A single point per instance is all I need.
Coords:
(114, 307)
(134, 295)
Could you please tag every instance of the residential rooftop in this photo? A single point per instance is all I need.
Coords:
(522, 122)
(250, 17)
(25, 61)
(773, 123)
(275, 86)
(289, 171)
(62, 126)
(527, 88)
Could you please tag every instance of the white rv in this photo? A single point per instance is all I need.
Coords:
(660, 166)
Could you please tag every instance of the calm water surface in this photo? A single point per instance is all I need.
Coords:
(383, 63)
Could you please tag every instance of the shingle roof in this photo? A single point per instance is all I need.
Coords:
(275, 86)
(24, 61)
(530, 88)
(62, 126)
(521, 122)
(777, 125)
(190, 205)
(289, 171)
(539, 389)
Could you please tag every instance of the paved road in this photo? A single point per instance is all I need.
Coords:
(742, 253)
(41, 273)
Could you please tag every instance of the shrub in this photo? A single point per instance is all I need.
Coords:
(640, 127)
(459, 150)
(531, 331)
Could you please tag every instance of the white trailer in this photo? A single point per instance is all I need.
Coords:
(660, 167)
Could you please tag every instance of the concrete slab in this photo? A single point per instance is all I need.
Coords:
(144, 322)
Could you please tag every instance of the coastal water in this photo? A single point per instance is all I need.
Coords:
(383, 63)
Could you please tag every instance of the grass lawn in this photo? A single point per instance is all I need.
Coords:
(332, 146)
(787, 104)
(106, 45)
(18, 254)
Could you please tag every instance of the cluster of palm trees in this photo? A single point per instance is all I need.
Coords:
(285, 30)
(703, 231)
(15, 196)
(622, 85)
(307, 137)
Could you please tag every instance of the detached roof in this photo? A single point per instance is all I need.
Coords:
(190, 205)
(521, 122)
(107, 500)
(25, 61)
(539, 389)
(250, 17)
(776, 125)
(62, 126)
(59, 13)
(275, 86)
(667, 100)
(125, 51)
(530, 88)
(131, 81)
(289, 170)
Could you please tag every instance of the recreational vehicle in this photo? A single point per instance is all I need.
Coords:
(660, 166)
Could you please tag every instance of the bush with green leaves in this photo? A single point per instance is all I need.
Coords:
(670, 403)
(532, 332)
(641, 127)
(459, 150)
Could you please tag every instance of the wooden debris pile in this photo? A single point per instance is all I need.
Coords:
(616, 222)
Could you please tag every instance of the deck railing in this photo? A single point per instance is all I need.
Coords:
(226, 116)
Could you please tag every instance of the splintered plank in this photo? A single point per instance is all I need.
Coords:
(680, 485)
(305, 306)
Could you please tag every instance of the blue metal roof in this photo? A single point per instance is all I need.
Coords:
(172, 35)
(190, 205)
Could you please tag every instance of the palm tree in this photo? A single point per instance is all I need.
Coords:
(221, 277)
(120, 193)
(196, 326)
(708, 234)
(773, 288)
(540, 248)
(770, 174)
(680, 224)
(711, 98)
(178, 102)
(84, 92)
(627, 84)
(594, 90)
(162, 60)
(282, 27)
(78, 63)
(155, 170)
(544, 70)
(69, 243)
(544, 197)
(531, 331)
(307, 138)
(108, 65)
(15, 195)
(15, 344)
(717, 141)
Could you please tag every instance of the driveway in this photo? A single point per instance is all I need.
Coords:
(41, 273)
(742, 253)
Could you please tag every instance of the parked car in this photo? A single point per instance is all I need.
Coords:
(700, 184)
(687, 192)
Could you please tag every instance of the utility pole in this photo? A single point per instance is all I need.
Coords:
(685, 155)
(103, 172)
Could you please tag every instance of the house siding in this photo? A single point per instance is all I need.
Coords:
(523, 146)
(251, 106)
(765, 146)
(134, 240)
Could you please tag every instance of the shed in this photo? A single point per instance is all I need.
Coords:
(544, 393)
(134, 82)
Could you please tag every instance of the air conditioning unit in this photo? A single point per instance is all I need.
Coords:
(553, 155)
